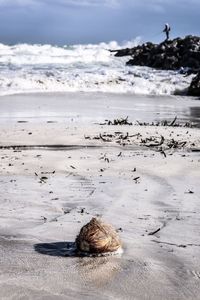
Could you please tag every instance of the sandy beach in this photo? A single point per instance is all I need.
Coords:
(62, 164)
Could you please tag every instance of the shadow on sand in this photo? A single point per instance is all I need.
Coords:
(99, 271)
(63, 249)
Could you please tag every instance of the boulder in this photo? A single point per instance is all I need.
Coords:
(194, 88)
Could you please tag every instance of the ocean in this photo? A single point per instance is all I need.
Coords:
(28, 68)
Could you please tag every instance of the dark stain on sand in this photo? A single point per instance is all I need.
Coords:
(46, 147)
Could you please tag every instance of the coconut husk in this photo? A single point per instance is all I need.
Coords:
(97, 237)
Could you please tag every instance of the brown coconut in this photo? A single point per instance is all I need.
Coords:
(97, 237)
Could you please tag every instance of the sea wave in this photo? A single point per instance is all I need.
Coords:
(40, 68)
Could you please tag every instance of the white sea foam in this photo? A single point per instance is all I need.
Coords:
(36, 68)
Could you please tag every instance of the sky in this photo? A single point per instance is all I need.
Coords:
(67, 22)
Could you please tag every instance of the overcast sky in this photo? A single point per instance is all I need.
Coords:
(65, 22)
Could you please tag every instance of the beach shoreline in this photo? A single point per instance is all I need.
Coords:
(74, 167)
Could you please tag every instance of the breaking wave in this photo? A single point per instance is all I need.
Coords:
(40, 68)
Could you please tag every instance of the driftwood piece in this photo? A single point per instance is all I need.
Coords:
(154, 232)
(120, 121)
(173, 122)
(157, 144)
(164, 123)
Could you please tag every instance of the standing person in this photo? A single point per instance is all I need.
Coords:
(167, 30)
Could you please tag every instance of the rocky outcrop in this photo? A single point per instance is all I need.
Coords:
(169, 55)
(194, 88)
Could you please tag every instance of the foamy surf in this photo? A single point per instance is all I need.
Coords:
(87, 68)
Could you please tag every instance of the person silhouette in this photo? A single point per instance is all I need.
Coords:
(167, 30)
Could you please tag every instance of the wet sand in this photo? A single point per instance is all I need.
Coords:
(68, 175)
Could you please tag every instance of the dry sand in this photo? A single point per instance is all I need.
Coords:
(48, 193)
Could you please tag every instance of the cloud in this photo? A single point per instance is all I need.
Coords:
(107, 3)
(65, 3)
(157, 6)
(16, 2)
(89, 3)
(85, 21)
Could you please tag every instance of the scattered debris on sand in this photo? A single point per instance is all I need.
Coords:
(120, 121)
(156, 140)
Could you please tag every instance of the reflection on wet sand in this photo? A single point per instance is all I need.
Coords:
(99, 271)
(195, 115)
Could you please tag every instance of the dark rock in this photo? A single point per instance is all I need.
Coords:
(124, 52)
(194, 88)
(168, 55)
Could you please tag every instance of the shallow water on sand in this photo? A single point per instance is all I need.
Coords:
(97, 107)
